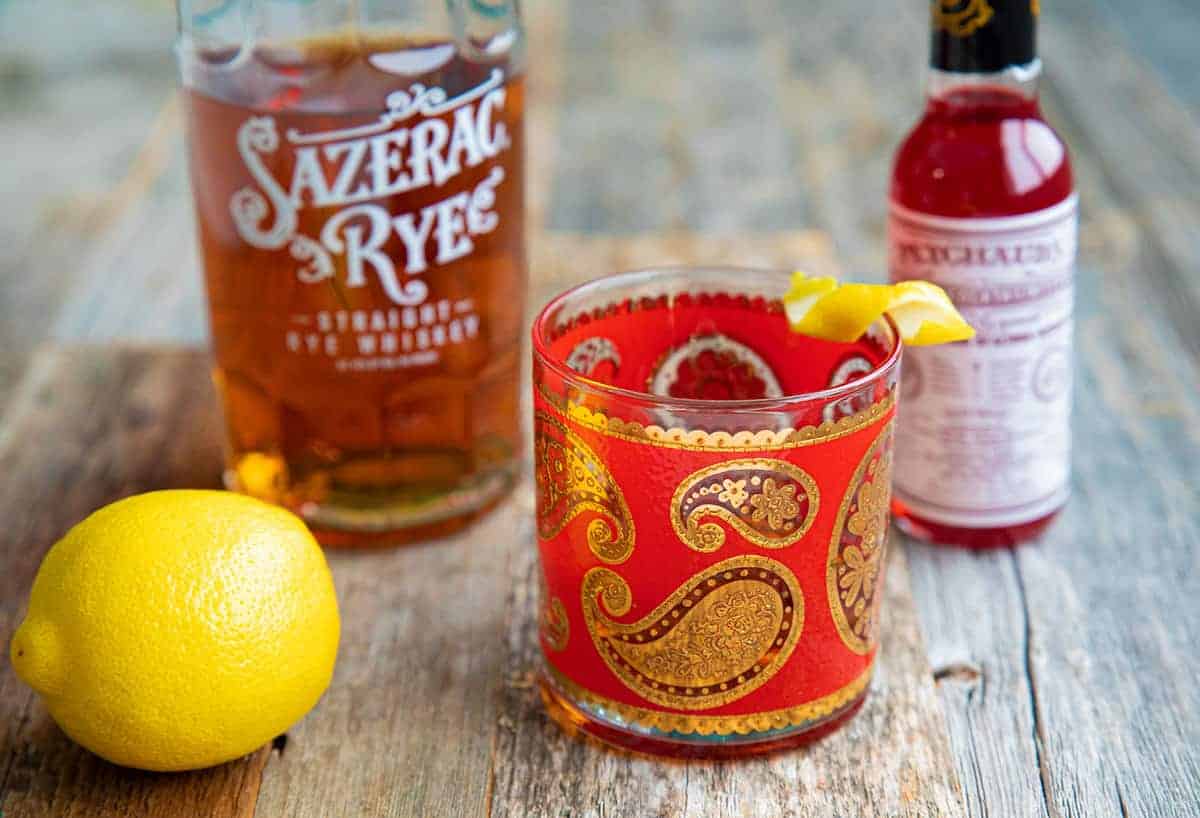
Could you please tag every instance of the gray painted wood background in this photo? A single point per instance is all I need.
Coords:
(1057, 679)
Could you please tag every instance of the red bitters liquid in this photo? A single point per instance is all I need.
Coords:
(979, 152)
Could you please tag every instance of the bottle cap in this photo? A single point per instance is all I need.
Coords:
(982, 36)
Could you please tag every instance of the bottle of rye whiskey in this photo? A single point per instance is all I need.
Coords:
(983, 204)
(358, 172)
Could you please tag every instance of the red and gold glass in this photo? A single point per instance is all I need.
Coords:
(712, 511)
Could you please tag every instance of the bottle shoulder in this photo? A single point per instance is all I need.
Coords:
(981, 163)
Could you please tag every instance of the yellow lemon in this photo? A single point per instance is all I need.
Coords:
(180, 629)
(821, 307)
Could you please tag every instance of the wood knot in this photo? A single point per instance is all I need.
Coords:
(957, 672)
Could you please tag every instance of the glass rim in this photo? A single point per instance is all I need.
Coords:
(541, 343)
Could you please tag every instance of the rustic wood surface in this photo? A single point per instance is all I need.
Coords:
(1051, 680)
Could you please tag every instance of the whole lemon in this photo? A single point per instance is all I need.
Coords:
(180, 629)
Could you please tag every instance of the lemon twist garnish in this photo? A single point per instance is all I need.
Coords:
(821, 307)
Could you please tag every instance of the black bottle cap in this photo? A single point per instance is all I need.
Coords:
(982, 36)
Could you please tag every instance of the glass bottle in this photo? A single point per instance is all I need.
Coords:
(983, 203)
(357, 168)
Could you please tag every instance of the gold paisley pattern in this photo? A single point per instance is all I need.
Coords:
(807, 714)
(857, 550)
(553, 625)
(572, 480)
(769, 502)
(700, 440)
(721, 635)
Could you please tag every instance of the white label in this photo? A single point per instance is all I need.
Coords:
(352, 176)
(984, 432)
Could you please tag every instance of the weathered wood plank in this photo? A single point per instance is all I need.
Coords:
(141, 279)
(545, 30)
(561, 260)
(671, 122)
(1132, 743)
(89, 426)
(406, 726)
(852, 86)
(1117, 113)
(842, 86)
(972, 619)
(80, 90)
(1164, 34)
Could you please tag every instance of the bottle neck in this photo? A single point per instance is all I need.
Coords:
(1017, 81)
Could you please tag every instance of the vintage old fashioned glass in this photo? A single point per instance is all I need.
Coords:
(358, 177)
(712, 511)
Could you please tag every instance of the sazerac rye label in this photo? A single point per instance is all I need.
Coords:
(362, 239)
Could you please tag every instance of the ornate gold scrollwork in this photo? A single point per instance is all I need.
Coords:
(721, 635)
(553, 624)
(854, 572)
(962, 18)
(769, 502)
(571, 479)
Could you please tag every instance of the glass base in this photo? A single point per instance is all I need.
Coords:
(381, 521)
(930, 531)
(576, 717)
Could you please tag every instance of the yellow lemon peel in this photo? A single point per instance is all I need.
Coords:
(821, 307)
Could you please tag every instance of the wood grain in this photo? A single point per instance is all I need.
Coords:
(148, 254)
(1163, 35)
(1119, 115)
(1063, 669)
(88, 426)
(1110, 593)
(561, 260)
(406, 726)
(81, 87)
(671, 122)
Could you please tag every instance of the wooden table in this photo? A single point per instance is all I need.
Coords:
(1056, 679)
